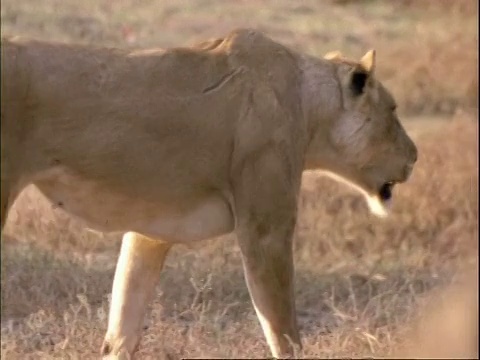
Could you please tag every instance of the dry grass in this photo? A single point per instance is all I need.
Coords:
(448, 327)
(360, 281)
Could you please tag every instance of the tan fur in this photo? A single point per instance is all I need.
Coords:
(186, 144)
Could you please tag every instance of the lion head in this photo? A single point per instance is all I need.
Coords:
(357, 136)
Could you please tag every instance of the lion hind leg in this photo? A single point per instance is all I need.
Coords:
(8, 193)
(4, 202)
(138, 269)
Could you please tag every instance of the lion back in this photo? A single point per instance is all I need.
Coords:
(271, 62)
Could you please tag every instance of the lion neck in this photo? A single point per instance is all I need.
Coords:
(321, 105)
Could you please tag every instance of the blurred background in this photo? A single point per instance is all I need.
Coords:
(362, 283)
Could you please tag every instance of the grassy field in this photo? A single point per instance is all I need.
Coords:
(363, 284)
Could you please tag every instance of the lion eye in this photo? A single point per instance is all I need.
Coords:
(393, 108)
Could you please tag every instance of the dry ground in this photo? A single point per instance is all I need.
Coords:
(361, 282)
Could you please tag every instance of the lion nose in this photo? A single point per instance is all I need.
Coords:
(413, 154)
(407, 171)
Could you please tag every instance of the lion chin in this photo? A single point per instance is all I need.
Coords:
(379, 201)
(378, 206)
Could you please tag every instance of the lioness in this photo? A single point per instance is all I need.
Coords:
(186, 144)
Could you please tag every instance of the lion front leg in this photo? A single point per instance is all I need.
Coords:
(268, 267)
(266, 210)
(138, 269)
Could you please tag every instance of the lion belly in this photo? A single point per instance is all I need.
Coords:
(105, 210)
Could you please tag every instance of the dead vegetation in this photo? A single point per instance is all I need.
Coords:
(363, 285)
(360, 281)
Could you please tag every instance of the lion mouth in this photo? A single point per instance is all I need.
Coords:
(385, 191)
(381, 201)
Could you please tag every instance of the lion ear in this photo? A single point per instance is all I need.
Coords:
(367, 62)
(358, 81)
(333, 55)
(360, 74)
